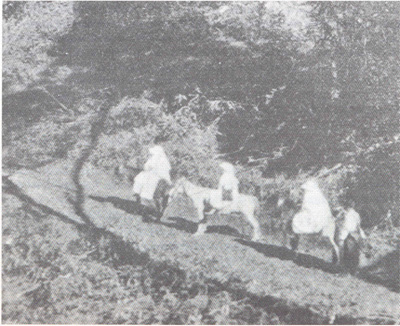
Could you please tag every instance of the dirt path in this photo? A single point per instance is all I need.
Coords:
(266, 269)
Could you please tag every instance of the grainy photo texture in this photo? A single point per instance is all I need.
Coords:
(201, 162)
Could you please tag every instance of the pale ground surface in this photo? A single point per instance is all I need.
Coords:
(265, 267)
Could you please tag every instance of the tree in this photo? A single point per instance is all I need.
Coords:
(29, 31)
(359, 43)
(342, 96)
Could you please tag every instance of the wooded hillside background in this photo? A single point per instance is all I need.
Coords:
(283, 90)
(279, 89)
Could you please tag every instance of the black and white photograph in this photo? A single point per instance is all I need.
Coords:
(200, 162)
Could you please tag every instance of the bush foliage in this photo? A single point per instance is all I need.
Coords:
(29, 31)
(135, 123)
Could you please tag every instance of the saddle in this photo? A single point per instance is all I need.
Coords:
(227, 195)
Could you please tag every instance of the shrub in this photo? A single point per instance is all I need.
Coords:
(136, 123)
(375, 187)
(42, 142)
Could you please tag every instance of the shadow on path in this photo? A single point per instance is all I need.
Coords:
(385, 272)
(182, 224)
(128, 206)
(148, 214)
(299, 259)
(174, 222)
(225, 230)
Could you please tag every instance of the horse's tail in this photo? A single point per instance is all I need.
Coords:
(337, 233)
(338, 230)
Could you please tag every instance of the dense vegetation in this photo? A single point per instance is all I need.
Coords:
(283, 90)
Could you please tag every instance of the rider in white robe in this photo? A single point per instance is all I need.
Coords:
(156, 168)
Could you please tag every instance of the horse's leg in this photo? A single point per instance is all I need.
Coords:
(146, 210)
(287, 233)
(329, 232)
(159, 209)
(294, 238)
(294, 241)
(164, 202)
(202, 225)
(136, 198)
(254, 223)
(160, 198)
(361, 232)
(138, 185)
(335, 251)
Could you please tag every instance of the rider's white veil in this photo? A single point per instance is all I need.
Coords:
(228, 168)
(161, 162)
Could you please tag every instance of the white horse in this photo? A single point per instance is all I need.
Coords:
(315, 217)
(204, 198)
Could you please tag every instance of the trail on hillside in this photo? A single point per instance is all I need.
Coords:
(266, 268)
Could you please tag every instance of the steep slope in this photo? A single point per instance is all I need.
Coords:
(266, 269)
